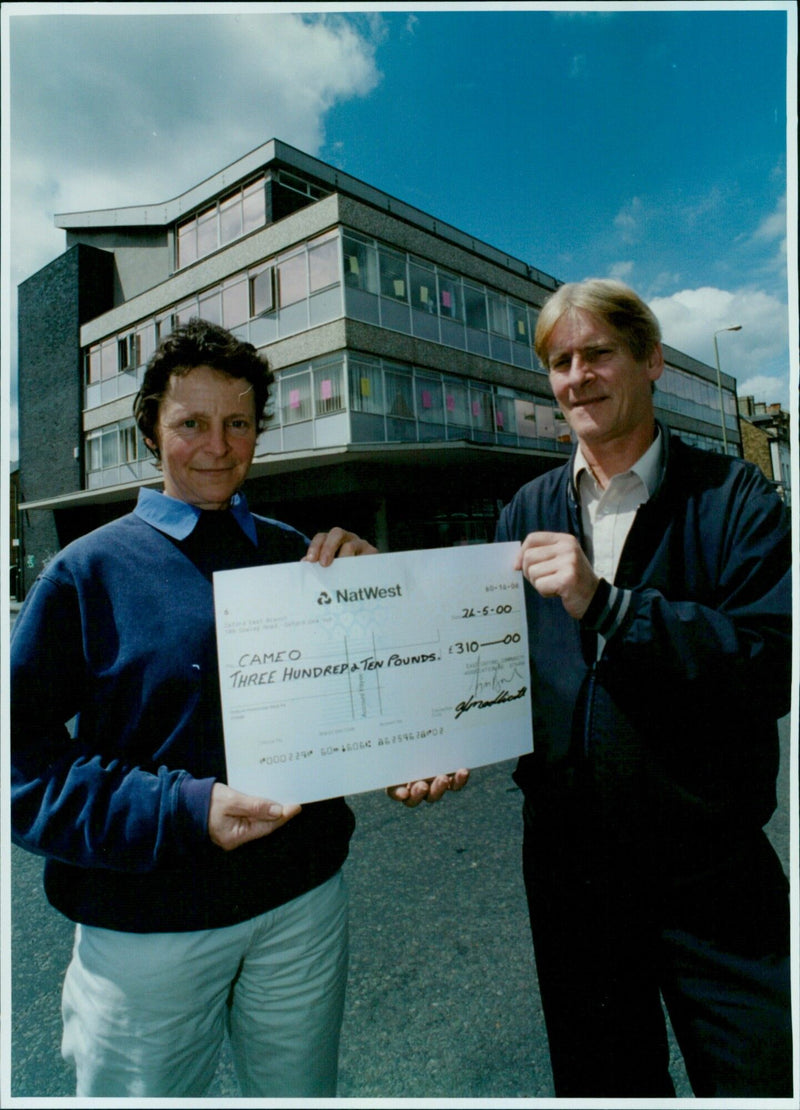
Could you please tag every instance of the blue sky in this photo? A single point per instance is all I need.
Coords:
(647, 143)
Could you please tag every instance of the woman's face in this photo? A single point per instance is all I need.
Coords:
(206, 435)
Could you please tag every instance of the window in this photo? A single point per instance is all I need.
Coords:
(323, 264)
(207, 238)
(292, 282)
(128, 352)
(109, 454)
(164, 325)
(498, 315)
(525, 419)
(366, 386)
(93, 365)
(456, 403)
(146, 335)
(262, 292)
(187, 243)
(328, 389)
(475, 307)
(109, 360)
(422, 280)
(360, 264)
(450, 297)
(254, 212)
(128, 443)
(518, 318)
(235, 303)
(231, 224)
(430, 404)
(183, 313)
(295, 398)
(300, 185)
(480, 405)
(393, 275)
(505, 417)
(399, 394)
(211, 306)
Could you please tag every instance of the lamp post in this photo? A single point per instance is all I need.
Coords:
(735, 327)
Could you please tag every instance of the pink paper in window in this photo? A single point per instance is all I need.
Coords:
(427, 400)
(450, 401)
(294, 398)
(500, 419)
(476, 408)
(447, 300)
(325, 389)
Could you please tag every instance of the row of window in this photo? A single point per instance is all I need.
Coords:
(228, 218)
(232, 216)
(379, 270)
(387, 401)
(679, 391)
(417, 403)
(115, 444)
(433, 403)
(281, 297)
(302, 287)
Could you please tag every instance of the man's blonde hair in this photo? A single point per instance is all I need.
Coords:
(613, 302)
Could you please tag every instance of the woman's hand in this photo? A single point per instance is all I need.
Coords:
(235, 818)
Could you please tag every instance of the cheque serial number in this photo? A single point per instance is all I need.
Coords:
(285, 757)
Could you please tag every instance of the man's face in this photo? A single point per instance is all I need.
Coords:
(206, 434)
(604, 393)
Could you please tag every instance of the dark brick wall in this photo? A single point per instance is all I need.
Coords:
(53, 304)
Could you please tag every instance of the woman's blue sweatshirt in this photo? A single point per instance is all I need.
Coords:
(118, 633)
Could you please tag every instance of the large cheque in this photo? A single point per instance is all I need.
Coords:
(372, 671)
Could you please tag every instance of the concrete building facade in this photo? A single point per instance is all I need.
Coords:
(408, 403)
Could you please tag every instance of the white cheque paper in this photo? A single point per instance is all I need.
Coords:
(373, 671)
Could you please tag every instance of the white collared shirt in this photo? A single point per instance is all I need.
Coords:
(607, 514)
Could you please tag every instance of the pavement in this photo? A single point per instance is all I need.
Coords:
(442, 998)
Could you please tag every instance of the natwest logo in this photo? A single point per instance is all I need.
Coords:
(369, 593)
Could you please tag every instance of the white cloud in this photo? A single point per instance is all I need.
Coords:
(628, 221)
(773, 226)
(112, 109)
(756, 354)
(109, 110)
(772, 233)
(620, 271)
(762, 387)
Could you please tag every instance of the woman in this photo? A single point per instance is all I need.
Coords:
(197, 907)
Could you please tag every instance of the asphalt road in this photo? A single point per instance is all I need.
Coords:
(442, 998)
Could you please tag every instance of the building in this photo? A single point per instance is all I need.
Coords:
(408, 405)
(14, 553)
(766, 441)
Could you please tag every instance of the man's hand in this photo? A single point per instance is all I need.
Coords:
(235, 818)
(555, 566)
(326, 546)
(429, 790)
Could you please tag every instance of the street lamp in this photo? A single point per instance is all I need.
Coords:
(735, 327)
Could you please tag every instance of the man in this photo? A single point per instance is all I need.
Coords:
(657, 581)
